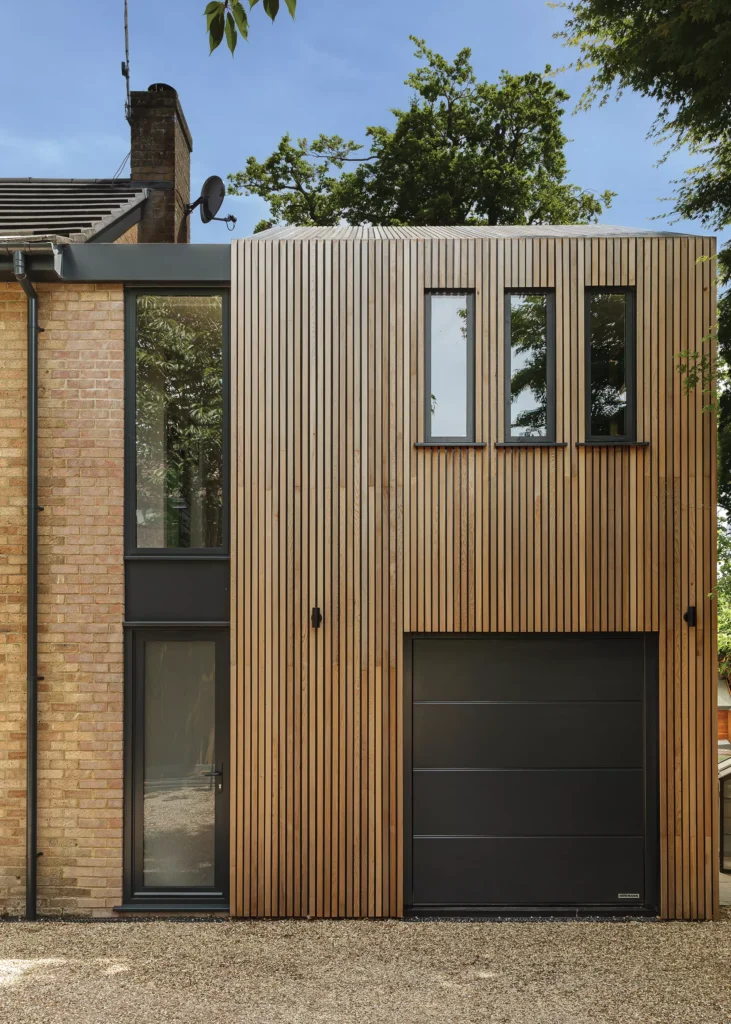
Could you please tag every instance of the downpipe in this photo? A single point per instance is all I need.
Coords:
(31, 816)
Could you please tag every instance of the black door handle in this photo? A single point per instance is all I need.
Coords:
(215, 775)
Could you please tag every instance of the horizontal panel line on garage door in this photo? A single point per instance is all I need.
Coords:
(509, 771)
(552, 703)
(487, 835)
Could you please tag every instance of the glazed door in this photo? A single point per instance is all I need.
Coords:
(180, 766)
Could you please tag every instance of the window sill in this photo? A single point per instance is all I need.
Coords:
(531, 444)
(450, 444)
(182, 906)
(612, 444)
(176, 555)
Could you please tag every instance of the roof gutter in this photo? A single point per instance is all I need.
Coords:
(20, 272)
(51, 246)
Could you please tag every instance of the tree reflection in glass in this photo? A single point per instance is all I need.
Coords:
(528, 364)
(607, 332)
(179, 421)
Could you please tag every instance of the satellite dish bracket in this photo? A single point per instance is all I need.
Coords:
(208, 214)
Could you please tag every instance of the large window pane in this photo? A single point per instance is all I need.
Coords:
(528, 371)
(179, 428)
(451, 352)
(608, 359)
(179, 739)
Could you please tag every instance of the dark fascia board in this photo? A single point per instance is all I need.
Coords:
(140, 264)
(147, 263)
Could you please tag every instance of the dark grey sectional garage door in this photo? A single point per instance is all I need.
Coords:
(534, 772)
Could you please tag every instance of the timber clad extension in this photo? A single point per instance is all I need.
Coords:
(337, 503)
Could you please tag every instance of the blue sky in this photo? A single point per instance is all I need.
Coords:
(339, 67)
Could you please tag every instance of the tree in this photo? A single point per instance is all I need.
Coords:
(463, 152)
(229, 18)
(529, 364)
(676, 52)
(179, 438)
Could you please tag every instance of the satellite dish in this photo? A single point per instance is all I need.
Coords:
(212, 195)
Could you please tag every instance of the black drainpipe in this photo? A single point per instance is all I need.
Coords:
(31, 813)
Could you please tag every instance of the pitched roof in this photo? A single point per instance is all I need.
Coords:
(70, 209)
(466, 231)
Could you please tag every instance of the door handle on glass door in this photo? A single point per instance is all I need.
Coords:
(215, 775)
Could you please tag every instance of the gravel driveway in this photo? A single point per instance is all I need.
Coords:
(352, 972)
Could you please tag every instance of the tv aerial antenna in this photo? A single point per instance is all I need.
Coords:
(210, 200)
(125, 65)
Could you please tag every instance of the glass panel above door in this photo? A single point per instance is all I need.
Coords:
(179, 788)
(179, 421)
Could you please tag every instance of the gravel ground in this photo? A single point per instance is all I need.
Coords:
(353, 972)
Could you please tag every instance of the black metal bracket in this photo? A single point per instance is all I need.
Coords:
(316, 618)
(690, 616)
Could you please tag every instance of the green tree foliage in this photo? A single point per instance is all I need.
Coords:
(607, 386)
(463, 152)
(529, 355)
(179, 436)
(229, 18)
(676, 52)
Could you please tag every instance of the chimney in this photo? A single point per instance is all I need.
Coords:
(161, 148)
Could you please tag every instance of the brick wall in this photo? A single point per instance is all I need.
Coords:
(129, 237)
(81, 591)
(12, 597)
(161, 145)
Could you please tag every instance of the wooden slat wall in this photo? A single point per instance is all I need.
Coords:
(334, 507)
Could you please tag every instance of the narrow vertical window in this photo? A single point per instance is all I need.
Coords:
(450, 374)
(610, 367)
(179, 421)
(530, 375)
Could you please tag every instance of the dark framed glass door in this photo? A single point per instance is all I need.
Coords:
(177, 820)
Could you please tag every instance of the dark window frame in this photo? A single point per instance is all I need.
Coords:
(130, 426)
(630, 364)
(135, 894)
(550, 436)
(469, 437)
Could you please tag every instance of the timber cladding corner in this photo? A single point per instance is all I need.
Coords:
(334, 507)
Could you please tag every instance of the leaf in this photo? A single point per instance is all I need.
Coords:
(242, 22)
(291, 6)
(212, 9)
(215, 30)
(231, 37)
(271, 7)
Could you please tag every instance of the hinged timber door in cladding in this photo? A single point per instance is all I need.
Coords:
(319, 383)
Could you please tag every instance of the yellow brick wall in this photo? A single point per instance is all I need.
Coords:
(129, 237)
(12, 597)
(81, 594)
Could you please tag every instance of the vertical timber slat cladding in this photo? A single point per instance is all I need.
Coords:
(335, 508)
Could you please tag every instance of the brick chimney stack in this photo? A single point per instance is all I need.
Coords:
(161, 148)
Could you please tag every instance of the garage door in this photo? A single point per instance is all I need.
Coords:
(533, 772)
